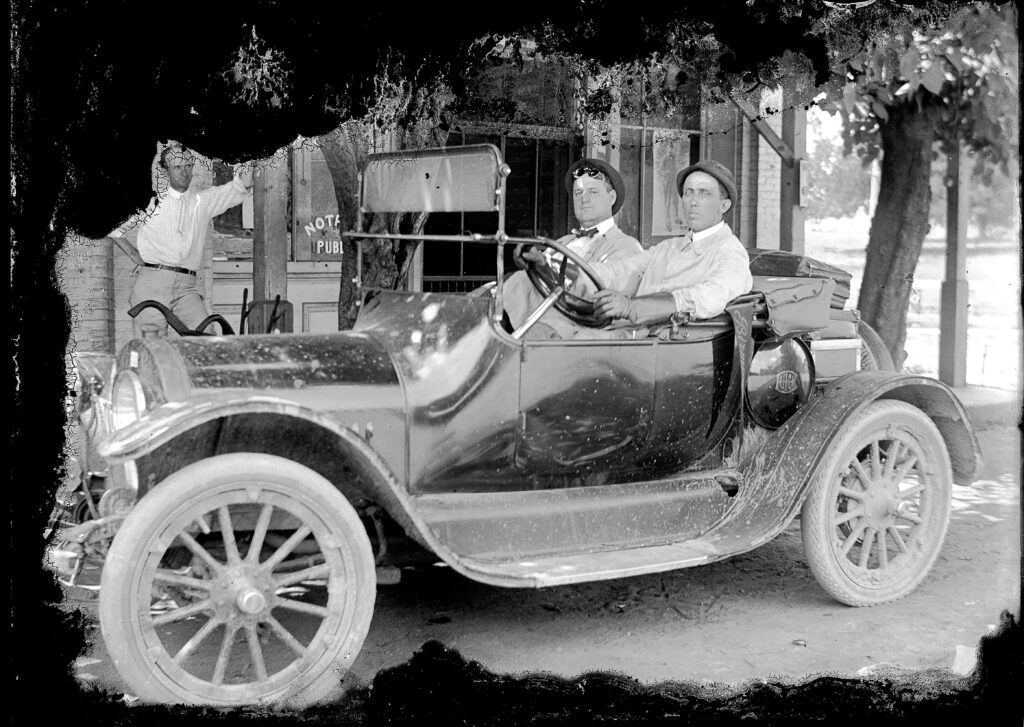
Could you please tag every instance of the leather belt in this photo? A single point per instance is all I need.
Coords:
(183, 271)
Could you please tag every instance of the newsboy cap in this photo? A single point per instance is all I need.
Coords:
(610, 173)
(717, 170)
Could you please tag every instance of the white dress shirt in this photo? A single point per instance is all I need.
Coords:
(172, 230)
(703, 271)
(582, 245)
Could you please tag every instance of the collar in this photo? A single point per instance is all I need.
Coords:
(698, 236)
(604, 225)
(704, 239)
(173, 193)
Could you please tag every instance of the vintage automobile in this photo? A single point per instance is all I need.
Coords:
(254, 488)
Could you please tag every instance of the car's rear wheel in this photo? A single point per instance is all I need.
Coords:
(874, 356)
(877, 513)
(271, 603)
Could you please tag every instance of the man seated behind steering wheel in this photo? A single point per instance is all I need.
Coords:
(597, 193)
(696, 274)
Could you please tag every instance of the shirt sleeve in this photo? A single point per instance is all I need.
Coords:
(218, 199)
(622, 248)
(728, 278)
(623, 273)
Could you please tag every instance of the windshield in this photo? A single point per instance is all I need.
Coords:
(460, 179)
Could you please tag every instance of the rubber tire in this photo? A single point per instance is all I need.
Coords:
(157, 510)
(874, 356)
(816, 526)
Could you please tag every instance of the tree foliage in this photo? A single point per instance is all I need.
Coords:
(993, 201)
(837, 184)
(952, 79)
(965, 67)
(408, 116)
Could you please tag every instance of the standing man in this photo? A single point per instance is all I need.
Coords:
(172, 233)
(597, 192)
(696, 274)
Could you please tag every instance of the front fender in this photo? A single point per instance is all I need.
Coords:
(171, 419)
(345, 446)
(161, 425)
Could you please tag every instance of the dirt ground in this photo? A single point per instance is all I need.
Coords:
(758, 615)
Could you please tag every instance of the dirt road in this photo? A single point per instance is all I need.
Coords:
(757, 615)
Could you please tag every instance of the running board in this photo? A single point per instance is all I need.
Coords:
(593, 566)
(510, 534)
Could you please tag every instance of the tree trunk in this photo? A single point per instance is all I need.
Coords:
(385, 262)
(899, 225)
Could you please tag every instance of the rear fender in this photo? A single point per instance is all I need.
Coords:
(777, 475)
(793, 454)
(849, 395)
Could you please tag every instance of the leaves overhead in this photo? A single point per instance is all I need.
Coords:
(242, 83)
(962, 62)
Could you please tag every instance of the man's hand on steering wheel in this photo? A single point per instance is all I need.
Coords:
(525, 255)
(546, 280)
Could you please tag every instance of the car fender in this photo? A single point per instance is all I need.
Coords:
(848, 395)
(165, 423)
(141, 441)
(777, 475)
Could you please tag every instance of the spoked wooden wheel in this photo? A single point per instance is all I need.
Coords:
(239, 579)
(875, 519)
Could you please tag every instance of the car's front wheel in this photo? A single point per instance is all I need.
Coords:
(243, 578)
(878, 509)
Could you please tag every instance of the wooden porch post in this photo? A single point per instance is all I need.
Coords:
(791, 148)
(953, 311)
(270, 236)
(791, 214)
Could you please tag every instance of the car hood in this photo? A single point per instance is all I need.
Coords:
(286, 361)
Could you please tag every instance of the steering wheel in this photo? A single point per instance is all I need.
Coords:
(545, 280)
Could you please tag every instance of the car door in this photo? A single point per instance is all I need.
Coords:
(694, 403)
(584, 406)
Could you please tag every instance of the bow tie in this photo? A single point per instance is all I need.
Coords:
(585, 233)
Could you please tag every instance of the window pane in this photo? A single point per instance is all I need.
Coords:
(478, 259)
(325, 201)
(631, 153)
(520, 203)
(442, 258)
(553, 205)
(230, 221)
(233, 240)
(471, 138)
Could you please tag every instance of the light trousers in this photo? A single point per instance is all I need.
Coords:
(177, 291)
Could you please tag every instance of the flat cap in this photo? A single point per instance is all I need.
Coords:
(717, 170)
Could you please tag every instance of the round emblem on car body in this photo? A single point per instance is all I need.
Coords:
(779, 381)
(786, 382)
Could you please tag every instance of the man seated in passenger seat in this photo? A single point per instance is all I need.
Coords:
(697, 273)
